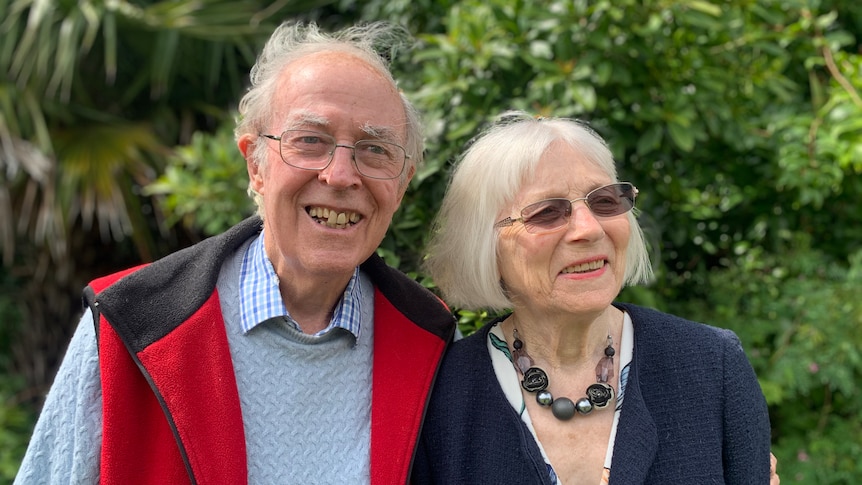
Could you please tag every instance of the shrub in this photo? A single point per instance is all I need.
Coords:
(799, 316)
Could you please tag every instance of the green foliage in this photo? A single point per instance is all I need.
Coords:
(10, 316)
(16, 424)
(16, 419)
(156, 71)
(698, 102)
(800, 318)
(469, 321)
(204, 185)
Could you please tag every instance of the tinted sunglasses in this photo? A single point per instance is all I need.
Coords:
(550, 214)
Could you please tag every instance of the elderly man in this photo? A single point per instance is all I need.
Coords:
(284, 350)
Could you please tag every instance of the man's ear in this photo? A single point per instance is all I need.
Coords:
(410, 173)
(246, 145)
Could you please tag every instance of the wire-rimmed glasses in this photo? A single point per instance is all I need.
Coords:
(312, 150)
(551, 214)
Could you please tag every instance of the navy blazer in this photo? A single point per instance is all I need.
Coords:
(693, 412)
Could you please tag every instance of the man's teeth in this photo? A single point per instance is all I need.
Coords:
(331, 218)
(583, 268)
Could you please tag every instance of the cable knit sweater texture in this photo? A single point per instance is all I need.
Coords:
(306, 401)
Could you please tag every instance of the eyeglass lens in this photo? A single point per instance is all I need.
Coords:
(313, 151)
(610, 200)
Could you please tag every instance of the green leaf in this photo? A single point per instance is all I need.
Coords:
(681, 135)
(705, 7)
(650, 140)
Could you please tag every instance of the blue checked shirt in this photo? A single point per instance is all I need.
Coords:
(261, 300)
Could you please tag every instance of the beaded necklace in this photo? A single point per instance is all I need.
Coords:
(599, 395)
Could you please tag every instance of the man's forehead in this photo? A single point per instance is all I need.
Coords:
(315, 67)
(324, 91)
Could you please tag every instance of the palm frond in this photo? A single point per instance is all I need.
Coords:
(93, 92)
(101, 166)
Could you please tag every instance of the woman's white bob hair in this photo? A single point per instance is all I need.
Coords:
(462, 252)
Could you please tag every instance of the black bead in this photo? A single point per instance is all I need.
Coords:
(600, 394)
(563, 408)
(609, 351)
(535, 380)
(517, 344)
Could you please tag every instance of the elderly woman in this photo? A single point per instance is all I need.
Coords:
(571, 387)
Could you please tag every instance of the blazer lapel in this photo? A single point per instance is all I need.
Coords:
(637, 439)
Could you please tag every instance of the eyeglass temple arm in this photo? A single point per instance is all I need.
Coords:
(505, 222)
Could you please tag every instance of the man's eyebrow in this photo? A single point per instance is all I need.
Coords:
(308, 119)
(304, 119)
(386, 133)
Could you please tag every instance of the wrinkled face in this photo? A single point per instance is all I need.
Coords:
(578, 268)
(326, 222)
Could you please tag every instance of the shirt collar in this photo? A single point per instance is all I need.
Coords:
(260, 298)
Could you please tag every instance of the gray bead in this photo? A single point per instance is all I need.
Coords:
(563, 408)
(544, 398)
(584, 406)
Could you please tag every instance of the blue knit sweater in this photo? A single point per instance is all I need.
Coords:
(694, 413)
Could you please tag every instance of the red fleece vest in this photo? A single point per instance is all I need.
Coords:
(171, 412)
